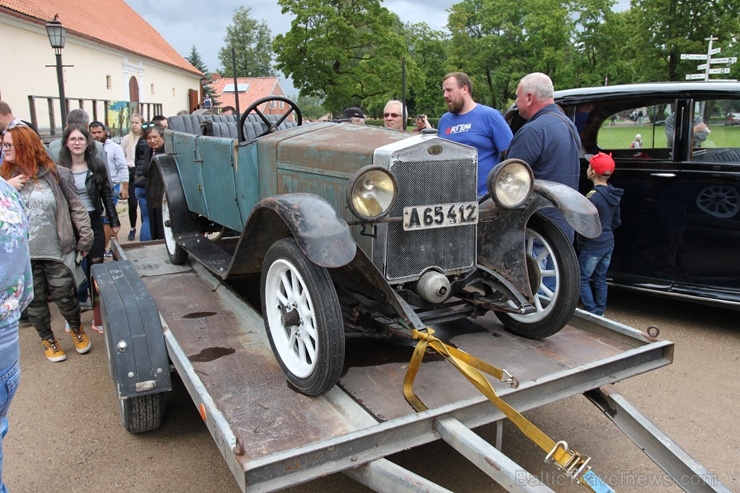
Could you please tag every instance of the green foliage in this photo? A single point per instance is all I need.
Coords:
(252, 42)
(311, 107)
(349, 53)
(196, 61)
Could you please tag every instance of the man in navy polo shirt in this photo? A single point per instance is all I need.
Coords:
(548, 142)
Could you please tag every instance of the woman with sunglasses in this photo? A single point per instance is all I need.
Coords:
(151, 227)
(91, 180)
(59, 234)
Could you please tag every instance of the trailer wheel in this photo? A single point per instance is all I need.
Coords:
(177, 254)
(142, 413)
(303, 318)
(557, 286)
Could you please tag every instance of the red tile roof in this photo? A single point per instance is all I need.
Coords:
(259, 87)
(112, 23)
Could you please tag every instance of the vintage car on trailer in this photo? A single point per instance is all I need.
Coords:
(348, 230)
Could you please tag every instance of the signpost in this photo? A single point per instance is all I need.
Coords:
(709, 61)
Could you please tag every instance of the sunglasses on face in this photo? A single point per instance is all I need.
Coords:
(392, 115)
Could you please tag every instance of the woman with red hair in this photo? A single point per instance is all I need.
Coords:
(59, 234)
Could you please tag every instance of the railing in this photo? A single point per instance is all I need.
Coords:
(115, 114)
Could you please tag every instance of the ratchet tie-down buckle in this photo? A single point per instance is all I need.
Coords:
(576, 467)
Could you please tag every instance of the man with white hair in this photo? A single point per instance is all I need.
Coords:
(549, 141)
(393, 115)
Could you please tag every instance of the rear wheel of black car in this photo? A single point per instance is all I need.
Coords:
(303, 318)
(177, 254)
(555, 279)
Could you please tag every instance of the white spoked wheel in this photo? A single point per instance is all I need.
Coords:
(303, 318)
(175, 252)
(555, 279)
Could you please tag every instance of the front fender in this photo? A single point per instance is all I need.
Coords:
(575, 208)
(320, 232)
(502, 232)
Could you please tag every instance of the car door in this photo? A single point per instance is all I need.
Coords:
(707, 262)
(632, 127)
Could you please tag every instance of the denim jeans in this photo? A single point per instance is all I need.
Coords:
(10, 377)
(594, 264)
(145, 234)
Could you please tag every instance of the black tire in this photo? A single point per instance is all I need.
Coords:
(554, 307)
(142, 413)
(177, 254)
(307, 335)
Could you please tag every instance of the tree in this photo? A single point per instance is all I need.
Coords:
(252, 42)
(428, 50)
(196, 61)
(205, 81)
(349, 53)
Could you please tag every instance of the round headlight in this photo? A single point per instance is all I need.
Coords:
(371, 192)
(510, 183)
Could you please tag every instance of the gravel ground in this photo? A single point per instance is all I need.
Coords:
(65, 432)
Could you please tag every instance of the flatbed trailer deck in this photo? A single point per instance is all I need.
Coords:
(273, 437)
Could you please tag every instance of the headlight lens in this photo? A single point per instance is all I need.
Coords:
(510, 183)
(371, 192)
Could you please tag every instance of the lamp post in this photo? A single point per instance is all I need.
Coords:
(57, 35)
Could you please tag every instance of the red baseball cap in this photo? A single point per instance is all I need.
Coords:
(602, 163)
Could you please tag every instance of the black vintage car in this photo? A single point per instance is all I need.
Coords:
(680, 232)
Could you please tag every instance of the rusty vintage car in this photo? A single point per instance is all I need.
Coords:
(348, 230)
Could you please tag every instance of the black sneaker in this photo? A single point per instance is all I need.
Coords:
(132, 234)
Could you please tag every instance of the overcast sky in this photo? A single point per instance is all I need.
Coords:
(188, 23)
(183, 26)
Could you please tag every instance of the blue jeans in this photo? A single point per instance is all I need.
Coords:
(10, 377)
(594, 264)
(145, 234)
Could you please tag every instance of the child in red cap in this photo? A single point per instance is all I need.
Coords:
(595, 254)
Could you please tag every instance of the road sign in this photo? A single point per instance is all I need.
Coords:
(701, 67)
(693, 57)
(694, 76)
(714, 51)
(720, 60)
(719, 70)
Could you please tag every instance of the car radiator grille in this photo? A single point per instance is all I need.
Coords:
(410, 253)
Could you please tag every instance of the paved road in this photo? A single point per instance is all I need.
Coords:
(65, 432)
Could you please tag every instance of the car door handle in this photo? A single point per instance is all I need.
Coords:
(664, 175)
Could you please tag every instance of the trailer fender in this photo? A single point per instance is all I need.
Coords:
(137, 354)
(320, 232)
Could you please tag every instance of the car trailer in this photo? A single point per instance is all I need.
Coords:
(158, 316)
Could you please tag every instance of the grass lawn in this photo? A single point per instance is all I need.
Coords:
(621, 135)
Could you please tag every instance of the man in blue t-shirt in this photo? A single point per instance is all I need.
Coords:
(473, 124)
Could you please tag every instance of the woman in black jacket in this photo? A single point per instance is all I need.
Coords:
(151, 220)
(91, 179)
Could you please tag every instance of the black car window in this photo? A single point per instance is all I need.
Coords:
(628, 129)
(714, 139)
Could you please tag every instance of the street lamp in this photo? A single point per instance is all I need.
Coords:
(57, 35)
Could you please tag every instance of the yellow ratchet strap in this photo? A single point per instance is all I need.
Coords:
(570, 462)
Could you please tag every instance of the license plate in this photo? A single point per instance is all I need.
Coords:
(440, 215)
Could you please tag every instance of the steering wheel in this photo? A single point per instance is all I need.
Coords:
(272, 127)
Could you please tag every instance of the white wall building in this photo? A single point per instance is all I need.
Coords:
(111, 54)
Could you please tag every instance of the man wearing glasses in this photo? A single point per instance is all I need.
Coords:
(473, 124)
(393, 115)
